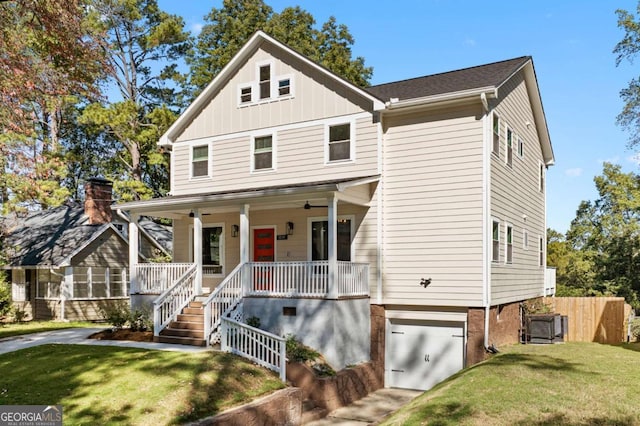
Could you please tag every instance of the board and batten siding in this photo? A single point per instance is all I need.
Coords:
(108, 250)
(432, 214)
(298, 156)
(516, 199)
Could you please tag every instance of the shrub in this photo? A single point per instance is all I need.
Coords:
(298, 352)
(117, 315)
(635, 328)
(5, 296)
(253, 322)
(140, 320)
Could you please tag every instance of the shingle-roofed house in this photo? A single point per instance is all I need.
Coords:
(402, 223)
(67, 262)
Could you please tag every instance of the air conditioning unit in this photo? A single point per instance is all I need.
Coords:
(546, 328)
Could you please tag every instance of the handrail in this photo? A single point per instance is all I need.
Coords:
(173, 300)
(263, 348)
(222, 300)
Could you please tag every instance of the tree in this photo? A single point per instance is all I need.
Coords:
(229, 27)
(140, 39)
(604, 238)
(628, 48)
(48, 54)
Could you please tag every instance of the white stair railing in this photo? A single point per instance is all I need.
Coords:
(259, 346)
(226, 298)
(174, 300)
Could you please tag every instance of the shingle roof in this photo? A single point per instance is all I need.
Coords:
(51, 236)
(489, 75)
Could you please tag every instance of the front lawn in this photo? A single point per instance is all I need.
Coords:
(28, 327)
(117, 385)
(564, 384)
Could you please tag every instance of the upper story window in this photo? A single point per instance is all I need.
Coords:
(496, 135)
(284, 87)
(265, 81)
(263, 153)
(495, 236)
(509, 244)
(541, 178)
(245, 94)
(520, 148)
(339, 144)
(525, 239)
(509, 155)
(541, 250)
(200, 161)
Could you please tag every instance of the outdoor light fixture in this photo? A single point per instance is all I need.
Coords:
(192, 214)
(234, 230)
(289, 228)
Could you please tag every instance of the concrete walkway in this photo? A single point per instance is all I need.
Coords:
(79, 336)
(370, 410)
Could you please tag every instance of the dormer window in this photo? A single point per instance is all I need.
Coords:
(265, 81)
(245, 94)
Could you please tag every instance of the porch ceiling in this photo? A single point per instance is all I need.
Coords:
(350, 191)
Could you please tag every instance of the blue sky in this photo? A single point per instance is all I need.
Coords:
(571, 43)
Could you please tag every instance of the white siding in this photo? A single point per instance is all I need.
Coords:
(433, 208)
(516, 199)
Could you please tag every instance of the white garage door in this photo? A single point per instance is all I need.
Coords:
(421, 354)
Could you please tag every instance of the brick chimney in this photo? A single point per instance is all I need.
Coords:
(97, 200)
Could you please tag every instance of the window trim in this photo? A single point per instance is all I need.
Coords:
(273, 152)
(495, 144)
(274, 82)
(508, 227)
(192, 160)
(495, 255)
(222, 247)
(241, 87)
(269, 82)
(352, 141)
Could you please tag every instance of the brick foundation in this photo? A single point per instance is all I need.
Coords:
(378, 341)
(504, 329)
(475, 336)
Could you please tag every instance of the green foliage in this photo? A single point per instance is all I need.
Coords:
(228, 28)
(253, 322)
(628, 49)
(635, 328)
(117, 314)
(141, 319)
(298, 352)
(5, 296)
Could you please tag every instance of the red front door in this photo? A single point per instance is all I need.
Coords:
(263, 251)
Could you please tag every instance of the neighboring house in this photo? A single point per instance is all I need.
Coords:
(68, 262)
(406, 219)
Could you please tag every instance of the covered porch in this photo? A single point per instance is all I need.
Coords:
(297, 243)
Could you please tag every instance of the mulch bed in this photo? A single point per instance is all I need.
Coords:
(123, 334)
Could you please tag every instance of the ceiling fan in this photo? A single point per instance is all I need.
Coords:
(308, 206)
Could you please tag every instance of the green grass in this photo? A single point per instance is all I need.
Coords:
(565, 384)
(117, 385)
(28, 327)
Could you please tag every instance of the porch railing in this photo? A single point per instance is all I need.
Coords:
(172, 301)
(261, 347)
(155, 278)
(223, 300)
(307, 279)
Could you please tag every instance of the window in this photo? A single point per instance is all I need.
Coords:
(509, 245)
(262, 153)
(340, 142)
(495, 249)
(19, 288)
(212, 250)
(245, 94)
(525, 239)
(265, 81)
(509, 155)
(200, 161)
(496, 135)
(320, 240)
(541, 178)
(520, 148)
(49, 283)
(284, 87)
(541, 250)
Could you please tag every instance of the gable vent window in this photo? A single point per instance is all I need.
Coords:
(263, 153)
(245, 95)
(200, 163)
(265, 81)
(284, 87)
(340, 142)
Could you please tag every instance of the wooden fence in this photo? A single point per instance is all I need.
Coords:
(592, 319)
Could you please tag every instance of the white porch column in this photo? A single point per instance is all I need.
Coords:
(66, 290)
(244, 247)
(133, 253)
(197, 249)
(332, 219)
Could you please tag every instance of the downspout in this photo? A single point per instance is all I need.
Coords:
(486, 210)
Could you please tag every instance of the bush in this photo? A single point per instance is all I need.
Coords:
(298, 352)
(5, 296)
(635, 328)
(117, 315)
(253, 322)
(140, 320)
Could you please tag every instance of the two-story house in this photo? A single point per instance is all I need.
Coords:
(405, 220)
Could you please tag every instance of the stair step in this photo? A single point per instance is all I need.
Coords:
(193, 311)
(313, 414)
(186, 325)
(182, 332)
(179, 340)
(196, 304)
(190, 317)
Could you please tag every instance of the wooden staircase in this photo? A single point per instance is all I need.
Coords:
(188, 329)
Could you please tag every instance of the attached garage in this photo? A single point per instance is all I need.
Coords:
(421, 354)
